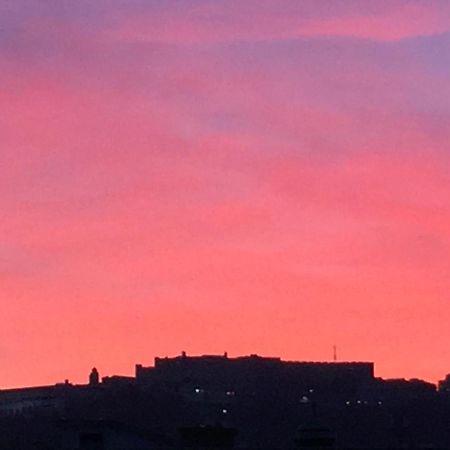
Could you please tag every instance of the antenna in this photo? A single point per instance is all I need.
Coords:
(334, 353)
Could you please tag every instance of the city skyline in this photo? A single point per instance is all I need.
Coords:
(255, 176)
(251, 401)
(139, 367)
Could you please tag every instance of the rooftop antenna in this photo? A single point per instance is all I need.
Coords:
(334, 353)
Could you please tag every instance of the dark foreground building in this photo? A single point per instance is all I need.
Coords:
(217, 402)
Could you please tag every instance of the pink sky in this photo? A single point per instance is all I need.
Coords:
(266, 176)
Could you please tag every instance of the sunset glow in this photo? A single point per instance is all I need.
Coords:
(250, 176)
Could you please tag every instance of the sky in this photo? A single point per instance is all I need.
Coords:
(250, 176)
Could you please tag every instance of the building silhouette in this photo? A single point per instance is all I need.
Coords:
(94, 377)
(245, 402)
